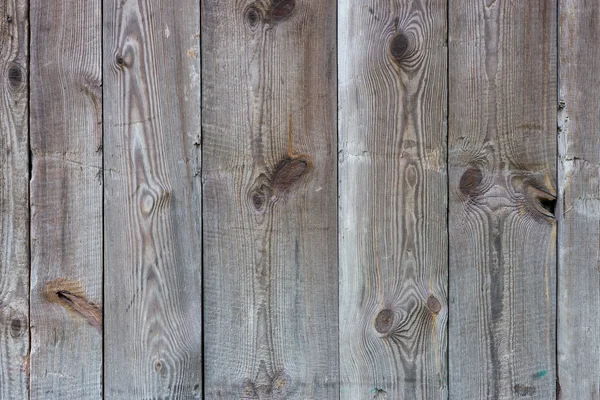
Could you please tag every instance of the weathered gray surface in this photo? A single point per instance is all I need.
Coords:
(502, 158)
(153, 287)
(269, 171)
(14, 201)
(393, 187)
(66, 199)
(579, 199)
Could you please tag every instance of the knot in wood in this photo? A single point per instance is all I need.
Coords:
(15, 77)
(434, 304)
(288, 172)
(384, 321)
(470, 181)
(400, 47)
(252, 17)
(281, 9)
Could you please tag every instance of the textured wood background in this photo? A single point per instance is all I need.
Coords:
(300, 199)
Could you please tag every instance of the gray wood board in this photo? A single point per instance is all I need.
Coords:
(66, 199)
(269, 172)
(393, 199)
(152, 207)
(579, 201)
(502, 180)
(14, 201)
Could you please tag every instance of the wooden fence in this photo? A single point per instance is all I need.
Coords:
(300, 199)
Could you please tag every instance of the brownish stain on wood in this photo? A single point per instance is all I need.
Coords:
(70, 295)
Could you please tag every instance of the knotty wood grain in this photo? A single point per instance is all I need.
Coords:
(579, 200)
(14, 201)
(153, 290)
(66, 198)
(393, 191)
(502, 176)
(269, 172)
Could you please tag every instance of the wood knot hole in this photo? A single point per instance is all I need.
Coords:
(470, 180)
(542, 201)
(158, 366)
(434, 304)
(9, 19)
(400, 47)
(384, 321)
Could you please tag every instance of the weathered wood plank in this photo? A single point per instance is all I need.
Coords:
(14, 201)
(502, 166)
(153, 287)
(579, 200)
(66, 199)
(393, 192)
(269, 171)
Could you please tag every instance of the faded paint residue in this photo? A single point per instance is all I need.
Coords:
(71, 295)
(540, 374)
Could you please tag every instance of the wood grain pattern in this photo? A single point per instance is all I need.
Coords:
(393, 186)
(66, 197)
(14, 201)
(502, 178)
(269, 172)
(579, 201)
(153, 286)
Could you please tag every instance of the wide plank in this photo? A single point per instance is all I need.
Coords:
(393, 199)
(14, 200)
(502, 193)
(269, 173)
(579, 200)
(66, 199)
(152, 203)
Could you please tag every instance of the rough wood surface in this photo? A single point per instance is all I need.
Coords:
(502, 176)
(579, 199)
(269, 172)
(153, 287)
(393, 186)
(14, 201)
(66, 198)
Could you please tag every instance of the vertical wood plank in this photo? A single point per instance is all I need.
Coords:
(66, 199)
(393, 186)
(502, 176)
(153, 290)
(579, 200)
(269, 171)
(14, 201)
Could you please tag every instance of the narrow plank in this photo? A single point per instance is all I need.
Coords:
(14, 201)
(502, 180)
(393, 199)
(579, 200)
(153, 286)
(66, 199)
(269, 172)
